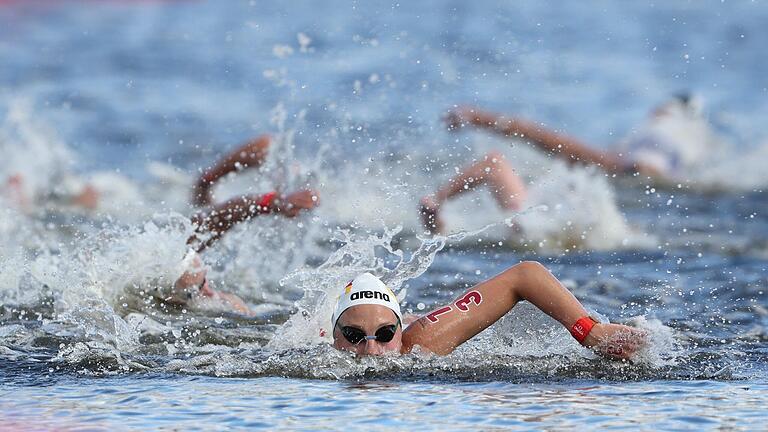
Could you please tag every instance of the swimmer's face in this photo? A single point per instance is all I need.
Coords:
(369, 319)
(195, 279)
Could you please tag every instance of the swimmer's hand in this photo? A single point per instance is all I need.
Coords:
(643, 169)
(463, 116)
(653, 173)
(616, 341)
(459, 117)
(292, 204)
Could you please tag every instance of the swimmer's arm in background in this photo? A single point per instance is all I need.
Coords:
(250, 155)
(211, 225)
(445, 328)
(68, 189)
(557, 144)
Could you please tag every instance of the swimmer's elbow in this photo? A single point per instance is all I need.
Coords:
(531, 267)
(524, 271)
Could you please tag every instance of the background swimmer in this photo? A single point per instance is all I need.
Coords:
(193, 286)
(492, 170)
(674, 139)
(213, 223)
(36, 168)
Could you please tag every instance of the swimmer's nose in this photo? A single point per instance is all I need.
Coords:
(371, 347)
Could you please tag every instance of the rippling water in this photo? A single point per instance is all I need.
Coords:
(267, 403)
(136, 97)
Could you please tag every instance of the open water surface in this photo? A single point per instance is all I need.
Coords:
(137, 97)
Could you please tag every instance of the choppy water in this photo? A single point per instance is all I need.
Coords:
(264, 403)
(136, 97)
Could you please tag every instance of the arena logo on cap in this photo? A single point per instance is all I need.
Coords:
(369, 295)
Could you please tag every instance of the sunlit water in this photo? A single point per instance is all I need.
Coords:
(136, 97)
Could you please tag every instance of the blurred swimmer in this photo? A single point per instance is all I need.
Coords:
(193, 289)
(193, 286)
(37, 169)
(222, 217)
(367, 318)
(71, 192)
(492, 170)
(674, 139)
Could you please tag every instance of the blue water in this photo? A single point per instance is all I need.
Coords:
(268, 403)
(362, 88)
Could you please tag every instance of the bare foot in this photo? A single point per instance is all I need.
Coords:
(429, 211)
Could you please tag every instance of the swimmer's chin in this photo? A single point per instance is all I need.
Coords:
(415, 350)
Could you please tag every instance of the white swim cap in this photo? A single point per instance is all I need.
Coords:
(364, 290)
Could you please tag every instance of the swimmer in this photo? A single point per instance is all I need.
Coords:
(367, 319)
(222, 217)
(193, 286)
(675, 137)
(69, 191)
(494, 171)
(252, 154)
(36, 169)
(195, 290)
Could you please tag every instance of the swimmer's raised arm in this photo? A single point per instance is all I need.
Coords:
(214, 223)
(250, 155)
(445, 328)
(557, 144)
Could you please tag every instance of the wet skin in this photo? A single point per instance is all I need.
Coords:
(368, 318)
(449, 326)
(195, 281)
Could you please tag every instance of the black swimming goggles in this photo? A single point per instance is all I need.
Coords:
(355, 335)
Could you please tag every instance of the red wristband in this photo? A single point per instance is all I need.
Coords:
(582, 327)
(266, 201)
